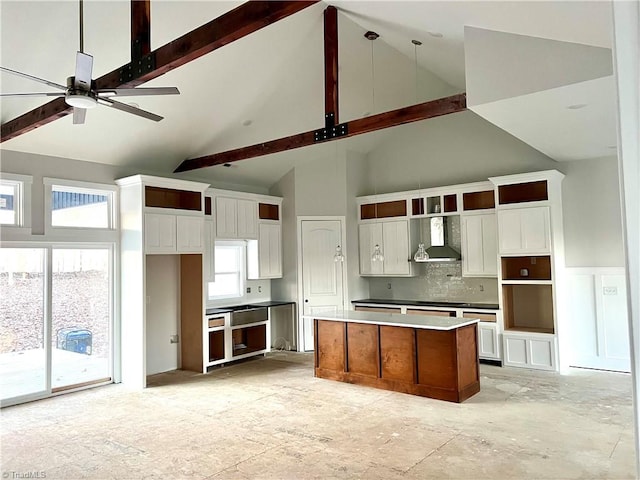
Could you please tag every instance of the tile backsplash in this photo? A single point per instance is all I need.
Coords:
(438, 281)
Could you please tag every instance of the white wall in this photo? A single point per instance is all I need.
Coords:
(452, 149)
(163, 312)
(286, 288)
(591, 213)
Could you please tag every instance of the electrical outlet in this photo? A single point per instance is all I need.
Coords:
(174, 339)
(609, 290)
(259, 288)
(481, 288)
(248, 289)
(388, 286)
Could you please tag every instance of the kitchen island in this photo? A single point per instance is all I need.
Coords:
(431, 356)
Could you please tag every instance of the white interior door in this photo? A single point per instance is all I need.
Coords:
(322, 284)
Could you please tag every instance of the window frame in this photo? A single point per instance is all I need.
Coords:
(85, 233)
(241, 246)
(21, 199)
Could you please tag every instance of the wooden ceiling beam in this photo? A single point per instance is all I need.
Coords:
(233, 25)
(380, 121)
(140, 29)
(331, 66)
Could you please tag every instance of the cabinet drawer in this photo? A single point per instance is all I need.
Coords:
(378, 309)
(435, 313)
(484, 317)
(216, 322)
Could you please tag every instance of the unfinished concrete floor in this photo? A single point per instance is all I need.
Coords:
(270, 418)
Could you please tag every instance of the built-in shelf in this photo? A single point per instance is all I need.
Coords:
(216, 345)
(478, 200)
(528, 307)
(417, 206)
(171, 198)
(531, 268)
(523, 192)
(249, 339)
(450, 203)
(207, 206)
(396, 208)
(530, 330)
(267, 211)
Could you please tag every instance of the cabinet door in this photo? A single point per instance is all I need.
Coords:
(530, 351)
(395, 241)
(524, 231)
(370, 235)
(270, 251)
(226, 217)
(189, 235)
(488, 346)
(159, 233)
(479, 246)
(209, 252)
(247, 225)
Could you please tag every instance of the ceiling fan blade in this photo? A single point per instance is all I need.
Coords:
(132, 92)
(31, 77)
(84, 66)
(34, 94)
(129, 109)
(79, 114)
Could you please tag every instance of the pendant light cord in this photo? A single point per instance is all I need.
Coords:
(373, 83)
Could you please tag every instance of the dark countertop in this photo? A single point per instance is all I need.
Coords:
(232, 308)
(421, 303)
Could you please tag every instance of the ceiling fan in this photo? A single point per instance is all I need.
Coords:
(81, 93)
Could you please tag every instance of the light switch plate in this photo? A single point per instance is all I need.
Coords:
(609, 290)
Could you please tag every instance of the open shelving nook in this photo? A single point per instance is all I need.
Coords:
(528, 307)
(530, 268)
(249, 339)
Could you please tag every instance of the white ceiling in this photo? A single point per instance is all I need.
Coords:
(272, 78)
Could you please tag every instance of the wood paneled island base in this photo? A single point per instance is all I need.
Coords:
(436, 363)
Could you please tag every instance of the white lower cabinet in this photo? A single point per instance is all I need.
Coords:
(173, 233)
(488, 343)
(529, 350)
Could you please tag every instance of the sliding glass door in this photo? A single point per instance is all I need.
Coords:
(80, 317)
(56, 311)
(23, 358)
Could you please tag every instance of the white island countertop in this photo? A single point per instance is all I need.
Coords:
(428, 322)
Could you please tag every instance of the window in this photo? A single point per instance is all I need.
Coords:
(14, 190)
(230, 271)
(80, 204)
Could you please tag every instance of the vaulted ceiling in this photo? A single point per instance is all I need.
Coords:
(261, 87)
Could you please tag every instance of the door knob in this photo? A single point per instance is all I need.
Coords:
(306, 301)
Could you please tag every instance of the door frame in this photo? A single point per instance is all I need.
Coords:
(345, 285)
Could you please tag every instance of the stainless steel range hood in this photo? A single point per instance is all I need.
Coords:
(440, 251)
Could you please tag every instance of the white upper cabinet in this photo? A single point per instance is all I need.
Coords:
(524, 231)
(370, 235)
(209, 256)
(189, 234)
(395, 239)
(173, 233)
(264, 256)
(392, 238)
(159, 233)
(247, 224)
(479, 245)
(236, 218)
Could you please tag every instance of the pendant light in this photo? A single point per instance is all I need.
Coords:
(421, 254)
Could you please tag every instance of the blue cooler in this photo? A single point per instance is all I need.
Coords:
(74, 340)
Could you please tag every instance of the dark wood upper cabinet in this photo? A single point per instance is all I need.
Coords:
(523, 192)
(268, 211)
(207, 205)
(397, 208)
(417, 206)
(478, 200)
(171, 198)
